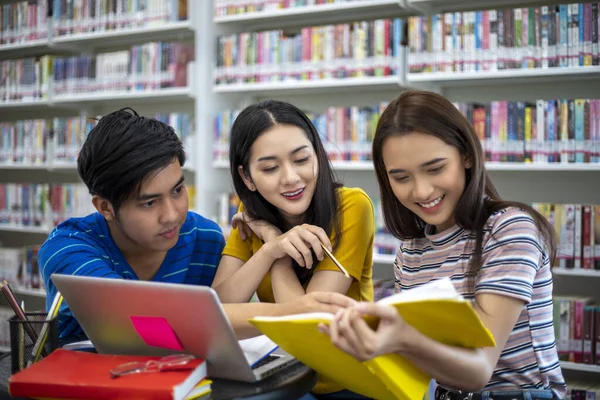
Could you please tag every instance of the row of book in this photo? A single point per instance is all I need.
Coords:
(26, 20)
(149, 66)
(365, 48)
(554, 131)
(577, 228)
(19, 267)
(45, 205)
(74, 17)
(577, 329)
(545, 131)
(582, 390)
(42, 205)
(236, 7)
(557, 36)
(23, 21)
(56, 141)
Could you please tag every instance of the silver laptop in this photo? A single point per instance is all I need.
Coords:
(104, 307)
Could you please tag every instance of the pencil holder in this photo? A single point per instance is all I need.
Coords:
(31, 339)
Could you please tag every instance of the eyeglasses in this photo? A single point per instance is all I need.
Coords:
(168, 363)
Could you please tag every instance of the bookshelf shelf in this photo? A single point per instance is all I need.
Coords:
(316, 14)
(177, 30)
(39, 167)
(27, 105)
(519, 167)
(541, 167)
(24, 229)
(506, 76)
(590, 273)
(30, 292)
(437, 6)
(23, 49)
(313, 86)
(384, 258)
(140, 97)
(580, 367)
(75, 100)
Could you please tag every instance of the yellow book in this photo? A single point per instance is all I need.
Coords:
(435, 309)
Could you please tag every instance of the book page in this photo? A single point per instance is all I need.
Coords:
(257, 348)
(438, 289)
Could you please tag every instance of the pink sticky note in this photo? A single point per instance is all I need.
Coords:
(157, 332)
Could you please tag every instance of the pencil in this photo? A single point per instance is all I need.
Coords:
(38, 348)
(14, 304)
(336, 262)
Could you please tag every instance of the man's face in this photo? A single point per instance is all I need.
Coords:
(152, 220)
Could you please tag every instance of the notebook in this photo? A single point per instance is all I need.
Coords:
(66, 374)
(435, 309)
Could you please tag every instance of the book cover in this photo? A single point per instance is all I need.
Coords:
(68, 374)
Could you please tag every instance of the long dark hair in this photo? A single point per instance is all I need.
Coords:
(252, 122)
(432, 114)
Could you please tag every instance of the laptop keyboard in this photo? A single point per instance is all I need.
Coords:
(264, 361)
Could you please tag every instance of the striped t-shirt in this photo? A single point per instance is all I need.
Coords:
(515, 264)
(84, 246)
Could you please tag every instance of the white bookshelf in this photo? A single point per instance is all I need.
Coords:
(577, 272)
(506, 76)
(347, 85)
(384, 259)
(76, 100)
(25, 49)
(571, 366)
(24, 229)
(139, 97)
(491, 166)
(316, 14)
(40, 167)
(437, 6)
(174, 30)
(30, 292)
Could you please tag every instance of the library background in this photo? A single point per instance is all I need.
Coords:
(526, 73)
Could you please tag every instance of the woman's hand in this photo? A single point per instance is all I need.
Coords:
(262, 229)
(349, 332)
(297, 243)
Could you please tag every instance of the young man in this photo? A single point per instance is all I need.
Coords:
(132, 166)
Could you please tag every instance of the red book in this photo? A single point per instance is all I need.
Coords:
(68, 374)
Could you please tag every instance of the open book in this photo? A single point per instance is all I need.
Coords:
(435, 309)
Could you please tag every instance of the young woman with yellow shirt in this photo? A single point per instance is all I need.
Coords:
(291, 203)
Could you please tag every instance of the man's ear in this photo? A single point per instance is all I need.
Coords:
(247, 179)
(104, 207)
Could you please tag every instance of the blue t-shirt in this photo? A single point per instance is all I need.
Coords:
(84, 246)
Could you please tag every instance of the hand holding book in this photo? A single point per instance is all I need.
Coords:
(351, 332)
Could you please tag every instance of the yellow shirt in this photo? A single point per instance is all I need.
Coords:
(354, 252)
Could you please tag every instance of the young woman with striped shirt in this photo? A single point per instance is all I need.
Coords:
(438, 200)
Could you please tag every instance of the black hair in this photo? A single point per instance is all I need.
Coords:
(122, 151)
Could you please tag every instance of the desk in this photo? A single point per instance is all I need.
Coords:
(290, 383)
